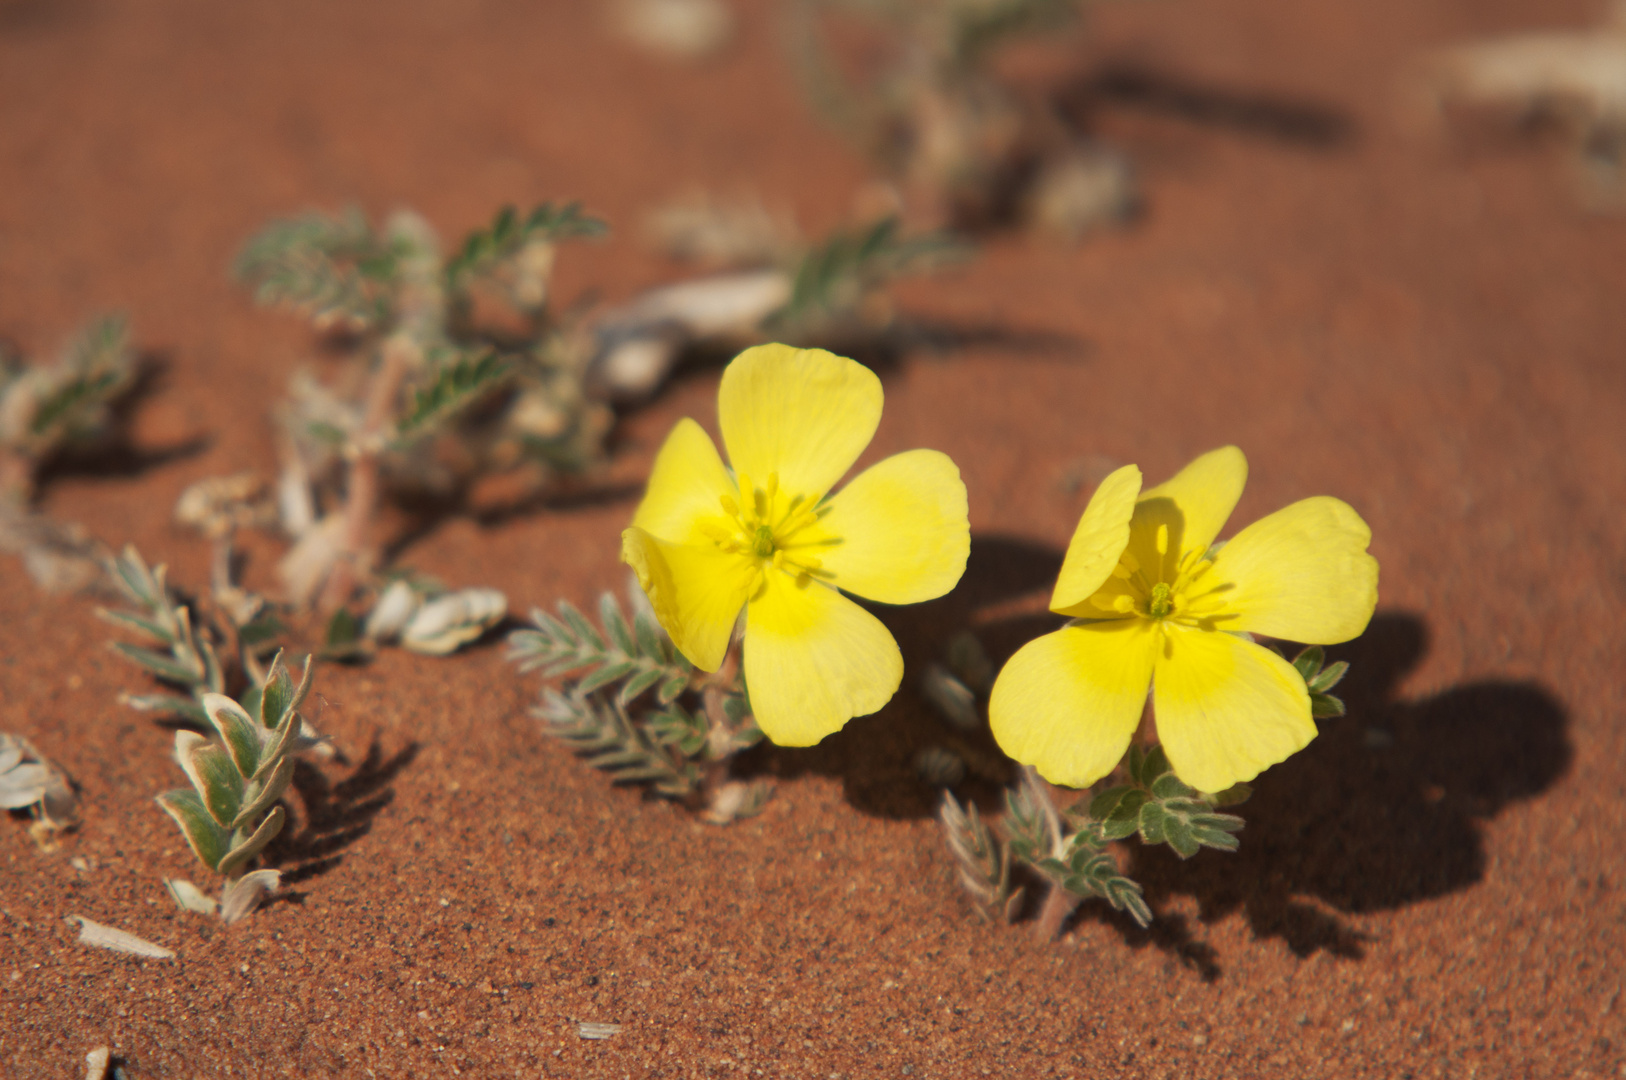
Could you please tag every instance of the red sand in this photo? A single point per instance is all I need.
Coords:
(1428, 328)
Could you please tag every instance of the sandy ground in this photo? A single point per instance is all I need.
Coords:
(1427, 327)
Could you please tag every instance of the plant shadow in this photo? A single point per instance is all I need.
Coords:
(115, 455)
(1132, 86)
(1384, 809)
(336, 815)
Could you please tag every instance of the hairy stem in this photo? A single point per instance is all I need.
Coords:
(1058, 904)
(713, 690)
(362, 492)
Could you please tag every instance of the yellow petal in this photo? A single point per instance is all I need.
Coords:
(1192, 506)
(1099, 540)
(686, 486)
(697, 591)
(1302, 574)
(805, 414)
(1069, 702)
(814, 660)
(902, 530)
(1226, 708)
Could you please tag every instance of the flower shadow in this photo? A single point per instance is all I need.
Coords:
(1384, 809)
(336, 815)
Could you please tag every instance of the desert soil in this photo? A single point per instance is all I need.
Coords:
(1427, 325)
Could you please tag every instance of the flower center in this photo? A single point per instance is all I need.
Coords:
(767, 526)
(1162, 601)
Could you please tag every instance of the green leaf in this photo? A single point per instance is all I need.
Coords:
(1235, 795)
(342, 628)
(208, 839)
(217, 780)
(163, 666)
(670, 689)
(454, 386)
(1326, 706)
(151, 627)
(1330, 676)
(247, 849)
(640, 682)
(1152, 819)
(606, 675)
(651, 642)
(579, 625)
(238, 731)
(615, 624)
(329, 268)
(271, 790)
(265, 628)
(1308, 662)
(484, 248)
(167, 703)
(1170, 786)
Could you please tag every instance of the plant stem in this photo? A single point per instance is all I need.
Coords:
(718, 732)
(1058, 904)
(354, 560)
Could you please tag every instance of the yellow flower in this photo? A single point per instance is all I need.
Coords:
(771, 539)
(1155, 605)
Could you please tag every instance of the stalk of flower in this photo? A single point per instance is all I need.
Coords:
(1158, 605)
(768, 540)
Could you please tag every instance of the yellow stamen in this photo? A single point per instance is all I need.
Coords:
(1162, 539)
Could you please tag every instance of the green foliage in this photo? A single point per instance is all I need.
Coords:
(635, 655)
(181, 649)
(1072, 849)
(833, 278)
(1320, 680)
(182, 654)
(454, 386)
(230, 812)
(633, 708)
(335, 269)
(985, 864)
(485, 249)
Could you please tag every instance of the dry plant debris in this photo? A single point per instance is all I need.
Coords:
(30, 781)
(456, 367)
(46, 411)
(97, 936)
(1576, 78)
(937, 119)
(682, 29)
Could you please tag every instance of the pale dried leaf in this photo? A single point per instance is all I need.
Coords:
(189, 897)
(589, 1030)
(97, 1062)
(453, 620)
(97, 936)
(242, 896)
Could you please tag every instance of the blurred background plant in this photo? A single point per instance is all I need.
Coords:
(458, 368)
(1571, 80)
(935, 118)
(1062, 846)
(638, 709)
(47, 412)
(453, 368)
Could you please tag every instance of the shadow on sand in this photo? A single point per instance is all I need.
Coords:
(335, 815)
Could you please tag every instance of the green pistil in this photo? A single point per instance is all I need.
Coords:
(1162, 602)
(763, 545)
